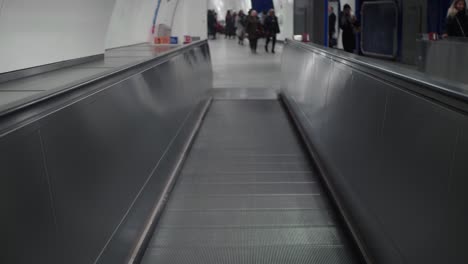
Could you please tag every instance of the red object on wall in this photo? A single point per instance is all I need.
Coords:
(433, 36)
(305, 37)
(187, 39)
(165, 40)
(162, 40)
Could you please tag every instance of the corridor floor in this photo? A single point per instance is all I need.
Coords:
(234, 66)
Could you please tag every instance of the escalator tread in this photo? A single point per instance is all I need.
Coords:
(248, 194)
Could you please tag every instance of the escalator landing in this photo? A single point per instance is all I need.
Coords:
(248, 194)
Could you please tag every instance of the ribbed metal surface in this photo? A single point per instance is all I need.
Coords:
(247, 194)
(247, 218)
(297, 254)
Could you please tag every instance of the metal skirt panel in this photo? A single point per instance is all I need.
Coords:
(391, 156)
(98, 162)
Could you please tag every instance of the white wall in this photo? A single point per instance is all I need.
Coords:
(1, 5)
(131, 22)
(285, 13)
(185, 17)
(34, 33)
(190, 19)
(167, 11)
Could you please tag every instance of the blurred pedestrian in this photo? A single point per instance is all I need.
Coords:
(229, 28)
(350, 26)
(331, 27)
(234, 28)
(240, 25)
(457, 20)
(271, 27)
(252, 30)
(211, 23)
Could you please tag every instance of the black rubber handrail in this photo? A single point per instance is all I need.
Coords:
(451, 89)
(16, 106)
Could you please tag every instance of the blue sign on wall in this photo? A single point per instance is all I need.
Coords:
(262, 5)
(437, 14)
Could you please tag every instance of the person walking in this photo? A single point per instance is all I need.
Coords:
(271, 29)
(457, 20)
(234, 26)
(252, 30)
(349, 25)
(229, 25)
(240, 25)
(331, 27)
(211, 24)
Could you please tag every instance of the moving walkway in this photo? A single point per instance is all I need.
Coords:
(355, 163)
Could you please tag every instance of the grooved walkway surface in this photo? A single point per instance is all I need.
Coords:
(247, 194)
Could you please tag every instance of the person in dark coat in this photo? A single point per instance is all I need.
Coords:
(234, 26)
(349, 25)
(457, 20)
(229, 25)
(211, 23)
(271, 29)
(252, 24)
(331, 27)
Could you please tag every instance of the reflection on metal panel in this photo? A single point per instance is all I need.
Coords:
(446, 59)
(108, 153)
(390, 155)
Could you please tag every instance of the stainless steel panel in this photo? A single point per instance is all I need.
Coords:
(311, 76)
(148, 50)
(51, 80)
(27, 222)
(444, 58)
(122, 245)
(112, 62)
(9, 76)
(8, 97)
(458, 216)
(418, 143)
(109, 152)
(352, 147)
(361, 119)
(391, 154)
(60, 77)
(120, 156)
(428, 85)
